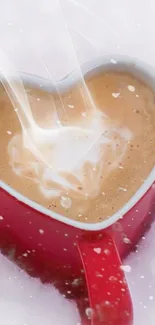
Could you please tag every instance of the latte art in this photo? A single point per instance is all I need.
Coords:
(89, 168)
(80, 159)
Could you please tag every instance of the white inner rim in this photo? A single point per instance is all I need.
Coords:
(138, 67)
(90, 226)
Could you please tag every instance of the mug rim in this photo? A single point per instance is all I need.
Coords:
(123, 63)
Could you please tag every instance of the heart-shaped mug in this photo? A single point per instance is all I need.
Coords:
(80, 258)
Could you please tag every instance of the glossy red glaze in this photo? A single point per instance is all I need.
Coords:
(48, 248)
(72, 258)
(107, 287)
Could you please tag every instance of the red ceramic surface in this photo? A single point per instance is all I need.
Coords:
(81, 259)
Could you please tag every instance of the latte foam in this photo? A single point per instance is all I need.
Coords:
(73, 160)
(97, 161)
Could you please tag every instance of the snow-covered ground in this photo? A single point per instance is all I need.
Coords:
(26, 301)
(26, 34)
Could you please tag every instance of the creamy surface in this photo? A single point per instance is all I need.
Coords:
(93, 170)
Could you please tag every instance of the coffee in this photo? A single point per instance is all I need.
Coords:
(112, 171)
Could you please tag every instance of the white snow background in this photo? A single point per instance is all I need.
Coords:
(121, 26)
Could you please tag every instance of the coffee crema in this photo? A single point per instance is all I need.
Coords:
(109, 174)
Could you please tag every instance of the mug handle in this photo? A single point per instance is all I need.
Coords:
(109, 296)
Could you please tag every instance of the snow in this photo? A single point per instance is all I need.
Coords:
(32, 303)
(26, 301)
(141, 279)
(125, 29)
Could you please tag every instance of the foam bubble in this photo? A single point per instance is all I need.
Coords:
(65, 202)
(115, 95)
(131, 88)
(77, 159)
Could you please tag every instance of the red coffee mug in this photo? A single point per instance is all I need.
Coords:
(72, 254)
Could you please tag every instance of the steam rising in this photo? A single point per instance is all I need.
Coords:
(65, 157)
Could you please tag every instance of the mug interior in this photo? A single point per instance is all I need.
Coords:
(113, 63)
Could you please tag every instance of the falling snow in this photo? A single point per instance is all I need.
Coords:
(126, 268)
(151, 298)
(113, 61)
(97, 250)
(41, 231)
(131, 88)
(126, 240)
(84, 114)
(89, 312)
(23, 310)
(107, 251)
(66, 202)
(99, 275)
(115, 95)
